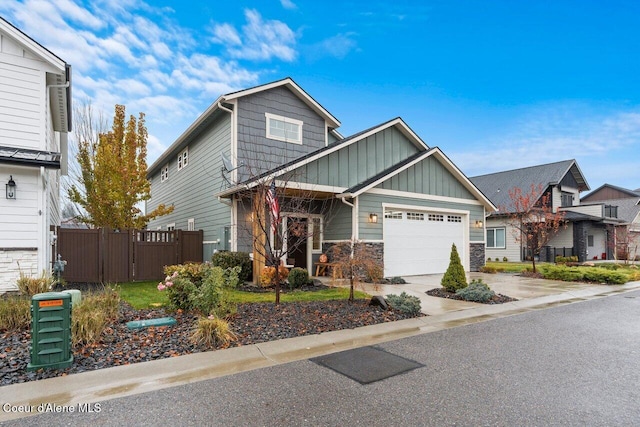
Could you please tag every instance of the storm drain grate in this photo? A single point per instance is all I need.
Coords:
(366, 364)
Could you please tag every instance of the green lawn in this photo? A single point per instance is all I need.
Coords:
(146, 295)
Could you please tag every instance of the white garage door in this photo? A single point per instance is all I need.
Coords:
(417, 242)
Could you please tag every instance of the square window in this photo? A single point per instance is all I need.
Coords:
(436, 217)
(454, 218)
(496, 238)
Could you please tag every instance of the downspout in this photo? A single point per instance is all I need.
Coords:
(234, 213)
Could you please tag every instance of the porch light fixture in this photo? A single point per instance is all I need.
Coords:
(478, 223)
(373, 218)
(11, 188)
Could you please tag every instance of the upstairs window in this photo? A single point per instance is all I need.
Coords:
(284, 129)
(566, 199)
(164, 173)
(183, 158)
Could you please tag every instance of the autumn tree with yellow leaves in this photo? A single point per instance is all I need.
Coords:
(113, 175)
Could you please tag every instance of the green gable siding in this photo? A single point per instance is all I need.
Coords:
(337, 222)
(428, 177)
(372, 203)
(359, 161)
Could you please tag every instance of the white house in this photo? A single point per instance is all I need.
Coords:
(35, 118)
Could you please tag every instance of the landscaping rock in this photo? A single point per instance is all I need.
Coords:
(379, 301)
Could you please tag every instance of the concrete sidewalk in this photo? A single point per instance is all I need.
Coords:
(104, 384)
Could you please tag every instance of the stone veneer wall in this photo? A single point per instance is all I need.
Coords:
(580, 239)
(376, 248)
(476, 256)
(12, 261)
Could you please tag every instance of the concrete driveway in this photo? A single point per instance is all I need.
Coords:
(511, 285)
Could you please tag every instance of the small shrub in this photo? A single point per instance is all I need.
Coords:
(477, 291)
(488, 269)
(178, 291)
(206, 298)
(600, 275)
(298, 277)
(268, 275)
(211, 331)
(396, 280)
(30, 286)
(505, 259)
(497, 259)
(566, 259)
(561, 272)
(454, 278)
(192, 271)
(15, 313)
(404, 303)
(489, 259)
(226, 259)
(373, 273)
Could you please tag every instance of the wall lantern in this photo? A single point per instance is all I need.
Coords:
(373, 218)
(11, 188)
(478, 223)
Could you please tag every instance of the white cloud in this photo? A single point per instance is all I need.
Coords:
(226, 34)
(260, 39)
(288, 4)
(338, 46)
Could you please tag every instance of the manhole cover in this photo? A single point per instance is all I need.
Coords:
(366, 364)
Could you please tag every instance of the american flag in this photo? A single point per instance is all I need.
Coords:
(274, 206)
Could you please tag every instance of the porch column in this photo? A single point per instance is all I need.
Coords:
(259, 238)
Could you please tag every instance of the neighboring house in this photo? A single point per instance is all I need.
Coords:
(35, 117)
(589, 232)
(391, 191)
(624, 205)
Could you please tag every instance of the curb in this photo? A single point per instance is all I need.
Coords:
(120, 381)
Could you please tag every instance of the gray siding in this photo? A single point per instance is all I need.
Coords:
(261, 154)
(359, 161)
(192, 190)
(337, 222)
(428, 177)
(372, 203)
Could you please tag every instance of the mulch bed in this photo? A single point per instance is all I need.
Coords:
(443, 293)
(253, 323)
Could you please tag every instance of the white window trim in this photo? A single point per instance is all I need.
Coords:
(164, 173)
(268, 134)
(171, 226)
(183, 159)
(191, 224)
(494, 237)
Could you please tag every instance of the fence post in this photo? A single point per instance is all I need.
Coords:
(178, 246)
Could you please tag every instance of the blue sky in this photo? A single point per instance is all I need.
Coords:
(495, 84)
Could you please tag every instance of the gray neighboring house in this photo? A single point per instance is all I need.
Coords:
(624, 204)
(590, 232)
(391, 190)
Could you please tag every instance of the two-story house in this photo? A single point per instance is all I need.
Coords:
(35, 118)
(623, 204)
(389, 189)
(589, 227)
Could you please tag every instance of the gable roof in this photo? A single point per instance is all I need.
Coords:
(398, 123)
(60, 80)
(630, 193)
(394, 170)
(213, 110)
(496, 186)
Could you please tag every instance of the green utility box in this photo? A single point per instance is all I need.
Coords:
(51, 331)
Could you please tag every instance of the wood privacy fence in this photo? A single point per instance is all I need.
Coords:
(108, 256)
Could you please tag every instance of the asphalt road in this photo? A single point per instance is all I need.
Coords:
(573, 365)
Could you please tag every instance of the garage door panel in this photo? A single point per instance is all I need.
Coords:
(420, 246)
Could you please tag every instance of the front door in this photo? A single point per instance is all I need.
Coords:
(297, 234)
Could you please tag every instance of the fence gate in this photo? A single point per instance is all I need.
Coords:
(105, 255)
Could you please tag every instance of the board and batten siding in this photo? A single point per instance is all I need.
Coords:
(372, 203)
(428, 177)
(192, 189)
(337, 223)
(261, 154)
(359, 161)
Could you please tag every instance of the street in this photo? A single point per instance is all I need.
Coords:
(576, 364)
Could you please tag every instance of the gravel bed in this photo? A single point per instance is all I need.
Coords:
(253, 323)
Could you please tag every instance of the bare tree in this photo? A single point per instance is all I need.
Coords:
(281, 213)
(533, 221)
(355, 261)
